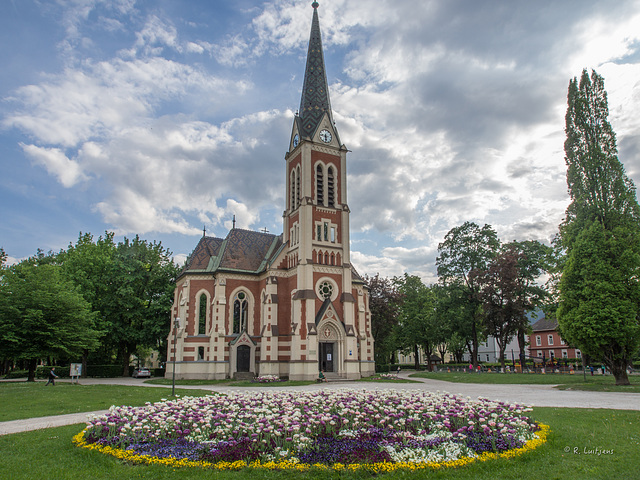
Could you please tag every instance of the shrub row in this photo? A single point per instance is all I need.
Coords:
(99, 371)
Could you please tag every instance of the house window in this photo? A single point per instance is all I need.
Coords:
(538, 340)
(326, 232)
(487, 358)
(319, 232)
(333, 234)
(562, 342)
(578, 354)
(552, 355)
(550, 339)
(565, 354)
(240, 312)
(540, 353)
(202, 316)
(200, 353)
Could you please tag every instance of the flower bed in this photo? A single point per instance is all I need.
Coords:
(267, 378)
(353, 429)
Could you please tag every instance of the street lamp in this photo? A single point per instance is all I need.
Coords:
(176, 325)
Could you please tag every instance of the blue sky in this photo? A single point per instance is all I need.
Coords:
(159, 117)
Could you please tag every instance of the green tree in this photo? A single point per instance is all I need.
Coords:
(384, 300)
(467, 248)
(142, 278)
(417, 324)
(599, 290)
(534, 260)
(88, 264)
(43, 314)
(503, 301)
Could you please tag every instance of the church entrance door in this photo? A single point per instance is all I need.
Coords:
(326, 357)
(243, 362)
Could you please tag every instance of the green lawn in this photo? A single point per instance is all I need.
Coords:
(231, 383)
(387, 380)
(574, 382)
(34, 399)
(574, 450)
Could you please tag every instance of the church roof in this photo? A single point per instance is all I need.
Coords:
(242, 251)
(315, 89)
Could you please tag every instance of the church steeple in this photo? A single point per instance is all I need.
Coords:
(315, 90)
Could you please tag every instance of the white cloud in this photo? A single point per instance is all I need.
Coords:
(68, 171)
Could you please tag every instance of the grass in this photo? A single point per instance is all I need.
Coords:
(377, 379)
(32, 399)
(576, 438)
(597, 383)
(231, 383)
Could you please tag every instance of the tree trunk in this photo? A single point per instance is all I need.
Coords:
(33, 362)
(502, 361)
(522, 345)
(474, 345)
(85, 355)
(125, 355)
(619, 372)
(416, 362)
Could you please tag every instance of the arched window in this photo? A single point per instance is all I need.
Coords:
(293, 190)
(319, 185)
(330, 187)
(202, 316)
(298, 192)
(240, 312)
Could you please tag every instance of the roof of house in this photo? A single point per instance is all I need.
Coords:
(545, 324)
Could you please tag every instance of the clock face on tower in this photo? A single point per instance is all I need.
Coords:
(325, 136)
(296, 140)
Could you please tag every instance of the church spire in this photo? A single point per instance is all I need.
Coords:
(315, 89)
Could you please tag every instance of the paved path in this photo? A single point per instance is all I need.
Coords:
(534, 395)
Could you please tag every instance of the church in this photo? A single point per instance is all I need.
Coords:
(290, 305)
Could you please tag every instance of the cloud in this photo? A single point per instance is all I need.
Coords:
(68, 171)
(453, 112)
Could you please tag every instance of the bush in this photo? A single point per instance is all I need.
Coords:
(106, 371)
(42, 371)
(17, 374)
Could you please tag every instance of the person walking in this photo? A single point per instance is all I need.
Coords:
(52, 377)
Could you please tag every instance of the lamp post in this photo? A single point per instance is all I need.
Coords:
(176, 324)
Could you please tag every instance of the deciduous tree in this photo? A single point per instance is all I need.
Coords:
(464, 249)
(43, 314)
(384, 300)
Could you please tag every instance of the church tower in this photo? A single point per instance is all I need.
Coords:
(316, 226)
(289, 305)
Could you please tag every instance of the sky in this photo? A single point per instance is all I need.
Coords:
(164, 117)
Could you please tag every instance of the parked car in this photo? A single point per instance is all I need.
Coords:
(141, 372)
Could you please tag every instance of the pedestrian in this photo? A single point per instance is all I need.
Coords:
(52, 377)
(398, 372)
(470, 368)
(321, 377)
(603, 369)
(591, 368)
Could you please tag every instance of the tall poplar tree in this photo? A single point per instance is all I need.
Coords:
(599, 297)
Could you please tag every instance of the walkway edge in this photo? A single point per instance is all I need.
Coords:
(28, 424)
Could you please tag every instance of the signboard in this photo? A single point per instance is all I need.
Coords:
(75, 370)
